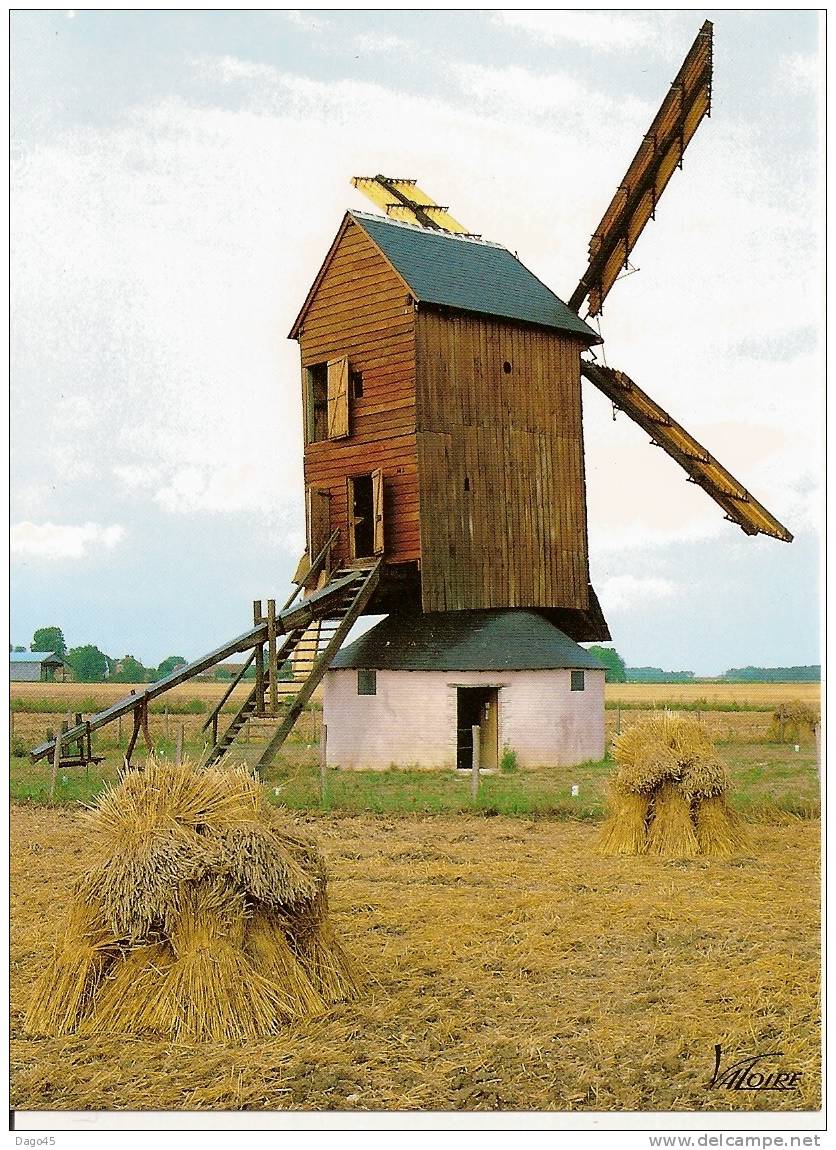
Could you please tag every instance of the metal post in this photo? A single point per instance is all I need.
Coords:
(474, 771)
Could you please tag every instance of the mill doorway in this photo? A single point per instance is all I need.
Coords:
(477, 706)
(365, 515)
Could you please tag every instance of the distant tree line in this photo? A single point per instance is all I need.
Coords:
(809, 674)
(91, 665)
(617, 672)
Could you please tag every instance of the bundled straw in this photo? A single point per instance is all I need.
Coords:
(65, 991)
(668, 793)
(625, 831)
(671, 833)
(200, 917)
(718, 831)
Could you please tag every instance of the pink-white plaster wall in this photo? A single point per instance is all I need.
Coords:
(411, 721)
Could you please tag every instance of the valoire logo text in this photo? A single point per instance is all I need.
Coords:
(753, 1072)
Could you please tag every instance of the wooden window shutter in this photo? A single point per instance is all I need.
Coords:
(338, 398)
(377, 497)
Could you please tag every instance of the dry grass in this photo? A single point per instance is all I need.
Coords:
(765, 695)
(511, 968)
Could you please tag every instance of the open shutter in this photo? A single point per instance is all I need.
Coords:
(319, 520)
(377, 497)
(337, 398)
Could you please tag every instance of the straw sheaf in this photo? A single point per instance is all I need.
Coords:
(200, 918)
(267, 947)
(704, 777)
(257, 861)
(719, 832)
(64, 993)
(625, 830)
(671, 833)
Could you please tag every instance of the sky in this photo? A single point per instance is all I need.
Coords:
(177, 178)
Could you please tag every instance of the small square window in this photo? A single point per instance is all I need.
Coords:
(366, 681)
(577, 681)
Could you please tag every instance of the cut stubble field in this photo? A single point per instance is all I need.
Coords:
(508, 967)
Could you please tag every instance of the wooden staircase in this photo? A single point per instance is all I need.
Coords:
(309, 629)
(311, 649)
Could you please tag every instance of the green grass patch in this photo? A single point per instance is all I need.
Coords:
(768, 781)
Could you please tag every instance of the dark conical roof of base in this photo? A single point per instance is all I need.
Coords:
(516, 640)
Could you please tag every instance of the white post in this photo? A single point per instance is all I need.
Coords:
(474, 772)
(323, 776)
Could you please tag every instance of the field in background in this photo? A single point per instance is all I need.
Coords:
(70, 696)
(766, 775)
(569, 981)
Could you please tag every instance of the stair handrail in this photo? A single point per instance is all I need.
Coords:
(314, 568)
(216, 710)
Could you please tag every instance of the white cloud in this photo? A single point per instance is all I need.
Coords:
(379, 42)
(304, 19)
(195, 232)
(226, 488)
(800, 72)
(598, 31)
(630, 593)
(59, 541)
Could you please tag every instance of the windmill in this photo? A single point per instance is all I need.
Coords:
(634, 203)
(443, 439)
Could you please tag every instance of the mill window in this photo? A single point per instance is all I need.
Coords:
(577, 681)
(367, 681)
(325, 397)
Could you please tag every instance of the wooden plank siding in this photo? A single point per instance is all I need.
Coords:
(500, 465)
(361, 309)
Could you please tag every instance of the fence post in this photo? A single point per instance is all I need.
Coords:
(166, 724)
(56, 759)
(178, 750)
(618, 721)
(474, 770)
(119, 731)
(323, 771)
(817, 733)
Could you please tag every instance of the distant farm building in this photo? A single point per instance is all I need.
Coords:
(410, 691)
(37, 667)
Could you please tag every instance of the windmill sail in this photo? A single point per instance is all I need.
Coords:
(404, 201)
(659, 154)
(703, 469)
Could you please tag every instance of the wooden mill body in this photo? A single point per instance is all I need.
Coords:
(470, 425)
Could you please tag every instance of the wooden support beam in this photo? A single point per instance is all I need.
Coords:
(271, 656)
(362, 598)
(259, 660)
